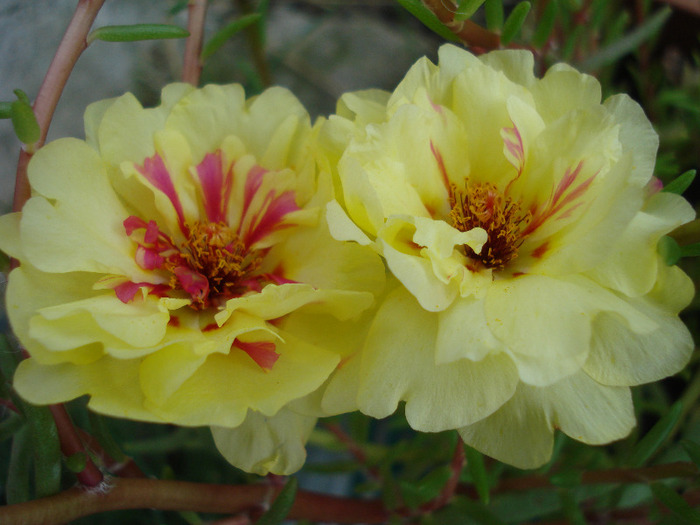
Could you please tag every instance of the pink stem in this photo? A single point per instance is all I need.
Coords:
(70, 48)
(192, 66)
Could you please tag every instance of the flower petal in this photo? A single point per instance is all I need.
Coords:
(263, 444)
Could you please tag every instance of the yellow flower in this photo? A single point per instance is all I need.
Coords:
(163, 258)
(517, 217)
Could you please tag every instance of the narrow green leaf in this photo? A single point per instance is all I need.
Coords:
(567, 478)
(101, 432)
(650, 443)
(692, 449)
(690, 250)
(24, 122)
(425, 15)
(514, 22)
(466, 8)
(10, 425)
(221, 36)
(5, 109)
(571, 508)
(493, 9)
(429, 486)
(680, 183)
(627, 43)
(136, 32)
(46, 449)
(477, 512)
(675, 503)
(477, 469)
(76, 463)
(262, 9)
(281, 506)
(669, 250)
(22, 96)
(546, 24)
(17, 489)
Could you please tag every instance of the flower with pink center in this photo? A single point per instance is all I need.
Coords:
(172, 263)
(516, 217)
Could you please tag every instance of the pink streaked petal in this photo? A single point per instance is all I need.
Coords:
(148, 259)
(194, 283)
(262, 352)
(274, 209)
(566, 181)
(128, 290)
(133, 223)
(252, 185)
(216, 188)
(655, 185)
(252, 285)
(441, 167)
(152, 232)
(157, 174)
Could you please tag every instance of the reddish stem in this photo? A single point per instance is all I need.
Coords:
(192, 65)
(353, 448)
(448, 491)
(180, 495)
(467, 31)
(71, 444)
(67, 54)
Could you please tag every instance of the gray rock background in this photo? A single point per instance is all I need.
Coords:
(319, 49)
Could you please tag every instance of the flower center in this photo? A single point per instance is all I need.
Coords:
(213, 251)
(481, 205)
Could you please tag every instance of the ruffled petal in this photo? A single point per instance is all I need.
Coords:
(263, 444)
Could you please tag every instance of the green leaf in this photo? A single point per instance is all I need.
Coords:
(690, 250)
(281, 506)
(46, 449)
(494, 14)
(101, 432)
(627, 43)
(692, 449)
(545, 25)
(476, 511)
(514, 22)
(76, 463)
(221, 36)
(10, 425)
(650, 443)
(24, 122)
(428, 487)
(669, 250)
(22, 96)
(675, 503)
(425, 15)
(680, 183)
(136, 32)
(571, 509)
(466, 8)
(17, 489)
(477, 469)
(566, 478)
(5, 109)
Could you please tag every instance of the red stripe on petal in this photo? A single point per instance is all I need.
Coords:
(148, 259)
(216, 187)
(252, 185)
(133, 223)
(273, 211)
(157, 174)
(262, 352)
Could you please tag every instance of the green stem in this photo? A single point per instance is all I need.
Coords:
(124, 493)
(256, 44)
(67, 54)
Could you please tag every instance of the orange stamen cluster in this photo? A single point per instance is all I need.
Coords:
(482, 205)
(215, 251)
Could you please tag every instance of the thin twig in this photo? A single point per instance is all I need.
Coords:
(67, 54)
(181, 495)
(192, 64)
(467, 31)
(354, 449)
(71, 444)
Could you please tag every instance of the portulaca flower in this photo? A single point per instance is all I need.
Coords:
(517, 217)
(163, 258)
